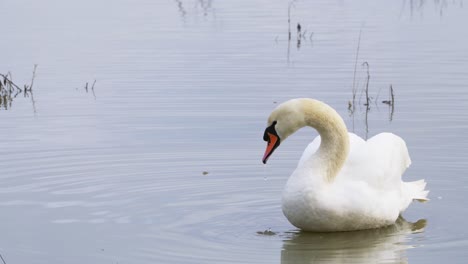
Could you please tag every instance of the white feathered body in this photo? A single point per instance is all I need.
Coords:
(366, 193)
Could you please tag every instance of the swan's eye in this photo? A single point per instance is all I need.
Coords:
(271, 129)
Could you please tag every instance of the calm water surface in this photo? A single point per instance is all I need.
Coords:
(162, 163)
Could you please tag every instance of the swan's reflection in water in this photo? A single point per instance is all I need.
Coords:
(384, 245)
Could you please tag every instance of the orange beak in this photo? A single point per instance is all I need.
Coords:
(273, 143)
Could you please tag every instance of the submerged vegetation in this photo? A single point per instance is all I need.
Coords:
(9, 90)
(301, 35)
(365, 90)
(92, 88)
(368, 98)
(205, 6)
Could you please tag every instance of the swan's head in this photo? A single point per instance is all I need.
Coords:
(286, 119)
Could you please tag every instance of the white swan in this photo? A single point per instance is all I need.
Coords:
(342, 182)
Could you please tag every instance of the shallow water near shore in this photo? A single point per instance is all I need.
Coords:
(160, 160)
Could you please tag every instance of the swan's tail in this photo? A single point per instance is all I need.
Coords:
(416, 190)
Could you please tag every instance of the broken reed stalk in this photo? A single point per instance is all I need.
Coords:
(8, 89)
(9, 82)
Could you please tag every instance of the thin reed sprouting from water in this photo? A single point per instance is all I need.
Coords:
(355, 69)
(30, 88)
(33, 76)
(289, 19)
(289, 29)
(391, 94)
(367, 104)
(367, 122)
(391, 102)
(86, 87)
(92, 89)
(299, 36)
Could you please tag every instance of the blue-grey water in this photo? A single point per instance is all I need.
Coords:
(160, 160)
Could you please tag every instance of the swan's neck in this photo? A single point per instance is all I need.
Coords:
(334, 146)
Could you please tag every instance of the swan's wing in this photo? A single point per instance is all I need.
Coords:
(391, 154)
(373, 170)
(379, 161)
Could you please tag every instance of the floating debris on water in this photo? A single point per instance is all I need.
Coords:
(266, 232)
(205, 173)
